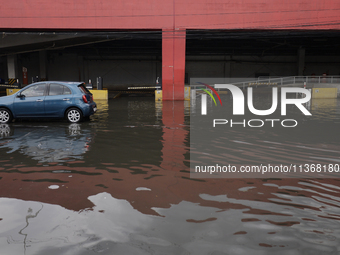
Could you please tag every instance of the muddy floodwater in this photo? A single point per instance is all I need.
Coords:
(120, 184)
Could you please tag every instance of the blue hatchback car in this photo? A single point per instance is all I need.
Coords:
(49, 99)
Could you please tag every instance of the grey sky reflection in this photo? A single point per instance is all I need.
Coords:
(113, 226)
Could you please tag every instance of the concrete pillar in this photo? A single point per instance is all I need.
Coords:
(227, 68)
(301, 61)
(43, 65)
(173, 64)
(12, 67)
(81, 71)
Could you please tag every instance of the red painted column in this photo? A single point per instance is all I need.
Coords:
(174, 136)
(173, 64)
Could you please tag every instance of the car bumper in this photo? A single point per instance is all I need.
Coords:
(90, 109)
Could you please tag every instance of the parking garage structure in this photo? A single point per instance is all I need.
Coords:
(145, 44)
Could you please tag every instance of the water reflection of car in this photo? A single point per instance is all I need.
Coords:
(48, 143)
(69, 100)
(5, 130)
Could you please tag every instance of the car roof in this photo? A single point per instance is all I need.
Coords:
(61, 82)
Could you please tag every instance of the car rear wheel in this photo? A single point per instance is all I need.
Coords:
(5, 115)
(74, 115)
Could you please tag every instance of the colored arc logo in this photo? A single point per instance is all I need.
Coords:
(213, 90)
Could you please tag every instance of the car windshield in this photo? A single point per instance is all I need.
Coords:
(84, 89)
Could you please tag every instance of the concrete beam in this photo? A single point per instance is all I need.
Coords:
(301, 61)
(14, 40)
(12, 67)
(43, 65)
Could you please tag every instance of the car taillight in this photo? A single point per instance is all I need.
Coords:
(85, 99)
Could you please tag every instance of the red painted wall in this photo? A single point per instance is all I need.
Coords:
(158, 14)
(258, 14)
(175, 15)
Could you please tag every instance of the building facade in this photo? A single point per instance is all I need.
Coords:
(181, 35)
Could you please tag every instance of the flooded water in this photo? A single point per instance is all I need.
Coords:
(120, 184)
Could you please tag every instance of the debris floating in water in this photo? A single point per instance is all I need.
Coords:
(53, 187)
(142, 188)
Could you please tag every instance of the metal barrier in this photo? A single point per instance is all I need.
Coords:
(283, 81)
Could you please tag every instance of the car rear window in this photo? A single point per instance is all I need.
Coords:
(83, 89)
(58, 89)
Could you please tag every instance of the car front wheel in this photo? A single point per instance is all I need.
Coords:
(5, 115)
(74, 115)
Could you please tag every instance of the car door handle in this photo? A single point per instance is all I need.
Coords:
(39, 100)
(66, 99)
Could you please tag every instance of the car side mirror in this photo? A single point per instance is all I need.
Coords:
(20, 95)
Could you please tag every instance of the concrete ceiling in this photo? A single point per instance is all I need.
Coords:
(199, 42)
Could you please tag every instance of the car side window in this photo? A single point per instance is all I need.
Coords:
(58, 89)
(34, 91)
(67, 91)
